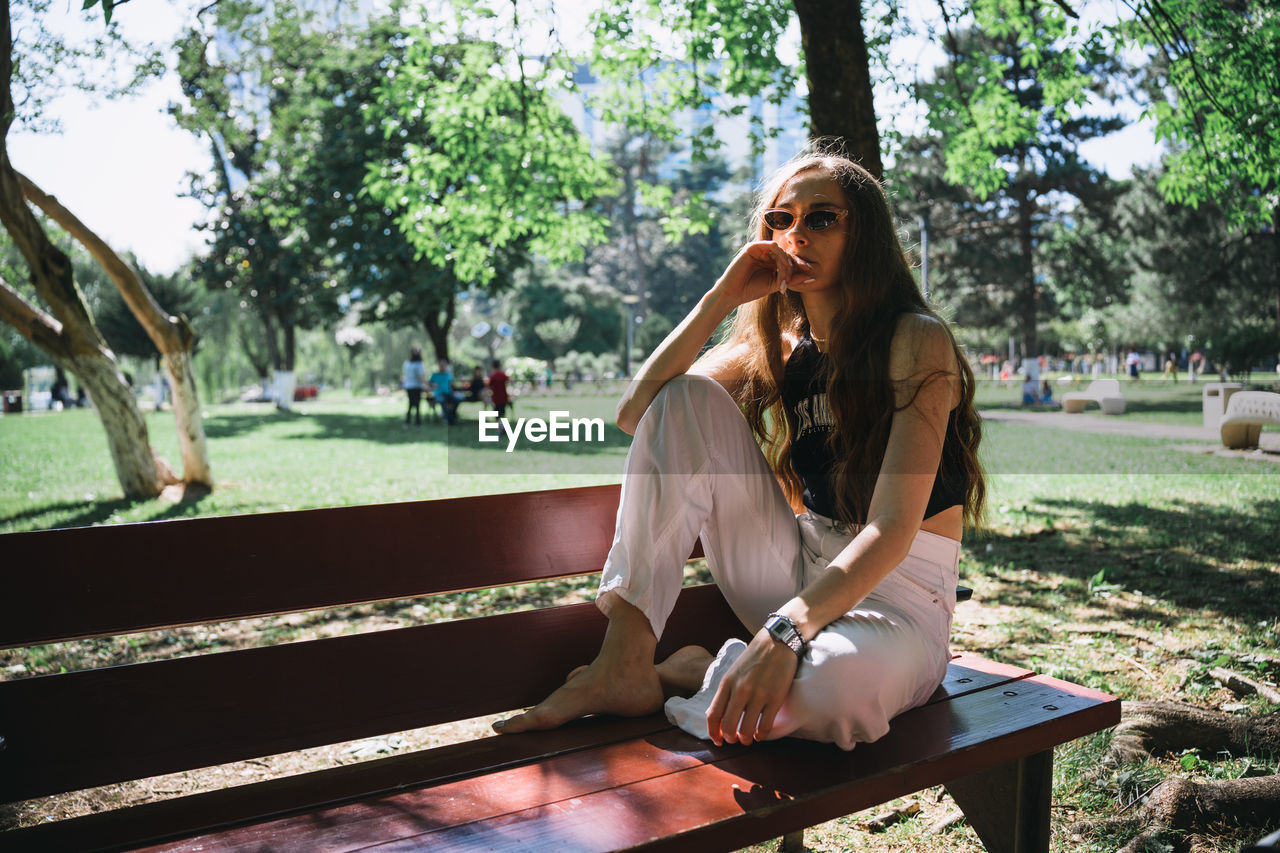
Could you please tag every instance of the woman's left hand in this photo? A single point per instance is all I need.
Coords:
(752, 692)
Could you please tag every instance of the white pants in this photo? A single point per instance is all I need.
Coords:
(695, 470)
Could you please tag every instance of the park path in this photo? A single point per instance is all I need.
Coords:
(1101, 423)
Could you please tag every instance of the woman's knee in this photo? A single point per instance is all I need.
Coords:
(850, 689)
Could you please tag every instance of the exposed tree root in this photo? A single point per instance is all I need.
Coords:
(1178, 810)
(1154, 728)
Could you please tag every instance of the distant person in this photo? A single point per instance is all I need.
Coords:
(1170, 368)
(1195, 364)
(59, 394)
(414, 381)
(1134, 364)
(1030, 390)
(441, 383)
(498, 388)
(477, 388)
(1046, 392)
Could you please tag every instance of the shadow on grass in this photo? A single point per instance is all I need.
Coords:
(1187, 555)
(1139, 405)
(53, 516)
(380, 429)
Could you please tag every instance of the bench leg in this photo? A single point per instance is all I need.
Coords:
(1008, 805)
(792, 842)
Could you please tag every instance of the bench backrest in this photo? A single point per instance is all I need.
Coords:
(1262, 406)
(1104, 388)
(75, 730)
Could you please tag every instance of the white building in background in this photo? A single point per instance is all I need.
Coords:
(734, 132)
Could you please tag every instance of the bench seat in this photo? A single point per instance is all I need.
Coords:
(1104, 392)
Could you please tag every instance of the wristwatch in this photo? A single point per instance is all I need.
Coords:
(782, 629)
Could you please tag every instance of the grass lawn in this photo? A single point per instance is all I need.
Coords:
(1114, 561)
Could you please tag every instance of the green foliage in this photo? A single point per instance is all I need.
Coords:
(252, 103)
(1006, 127)
(557, 313)
(1010, 98)
(1196, 281)
(662, 58)
(498, 165)
(1215, 97)
(47, 65)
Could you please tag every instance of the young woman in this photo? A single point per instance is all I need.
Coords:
(839, 395)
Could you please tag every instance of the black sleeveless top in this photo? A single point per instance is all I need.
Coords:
(804, 394)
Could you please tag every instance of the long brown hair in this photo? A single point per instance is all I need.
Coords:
(877, 288)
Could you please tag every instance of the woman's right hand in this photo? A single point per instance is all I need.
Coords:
(760, 268)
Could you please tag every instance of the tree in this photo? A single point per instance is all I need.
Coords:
(1032, 171)
(118, 324)
(1224, 75)
(1213, 88)
(247, 96)
(557, 313)
(367, 249)
(475, 204)
(171, 334)
(68, 333)
(1203, 282)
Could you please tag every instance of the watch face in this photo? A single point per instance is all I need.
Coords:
(781, 630)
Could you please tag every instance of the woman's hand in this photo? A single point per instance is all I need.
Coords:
(752, 692)
(761, 268)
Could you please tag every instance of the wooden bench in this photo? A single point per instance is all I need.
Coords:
(598, 784)
(1104, 392)
(1246, 413)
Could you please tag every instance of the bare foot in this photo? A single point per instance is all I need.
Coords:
(682, 673)
(596, 689)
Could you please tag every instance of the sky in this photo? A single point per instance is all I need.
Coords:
(120, 166)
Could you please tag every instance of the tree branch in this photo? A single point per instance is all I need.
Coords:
(1070, 13)
(35, 325)
(169, 334)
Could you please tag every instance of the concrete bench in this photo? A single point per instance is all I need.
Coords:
(1104, 392)
(604, 783)
(1247, 411)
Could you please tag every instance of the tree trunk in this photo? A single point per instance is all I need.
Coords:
(437, 325)
(1026, 313)
(289, 347)
(74, 341)
(141, 473)
(171, 335)
(837, 66)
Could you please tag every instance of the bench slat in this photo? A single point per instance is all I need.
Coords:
(276, 797)
(603, 798)
(82, 729)
(116, 579)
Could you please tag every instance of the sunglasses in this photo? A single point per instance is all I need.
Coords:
(816, 220)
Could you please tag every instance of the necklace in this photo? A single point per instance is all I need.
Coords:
(816, 339)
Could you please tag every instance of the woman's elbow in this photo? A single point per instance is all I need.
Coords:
(625, 418)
